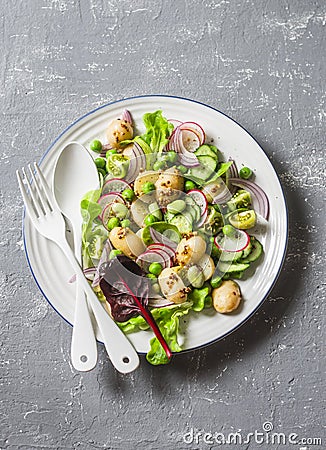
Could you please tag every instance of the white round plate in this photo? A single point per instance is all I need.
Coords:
(51, 270)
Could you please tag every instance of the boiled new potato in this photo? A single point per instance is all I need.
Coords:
(169, 185)
(127, 242)
(172, 286)
(118, 130)
(190, 250)
(148, 176)
(227, 297)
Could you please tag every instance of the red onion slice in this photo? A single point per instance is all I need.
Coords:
(196, 128)
(166, 248)
(175, 122)
(126, 116)
(149, 256)
(89, 273)
(160, 238)
(159, 302)
(259, 198)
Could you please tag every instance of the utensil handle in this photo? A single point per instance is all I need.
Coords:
(121, 353)
(83, 341)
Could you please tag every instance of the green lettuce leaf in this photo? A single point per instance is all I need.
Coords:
(158, 130)
(198, 297)
(167, 320)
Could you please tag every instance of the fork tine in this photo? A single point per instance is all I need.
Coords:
(46, 189)
(44, 204)
(27, 201)
(35, 201)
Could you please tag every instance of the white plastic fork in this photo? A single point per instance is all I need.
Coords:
(48, 221)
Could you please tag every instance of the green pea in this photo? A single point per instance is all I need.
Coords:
(172, 156)
(128, 194)
(216, 282)
(155, 268)
(245, 173)
(125, 223)
(163, 157)
(148, 187)
(152, 277)
(176, 207)
(189, 185)
(100, 163)
(114, 253)
(228, 230)
(112, 223)
(110, 152)
(96, 146)
(182, 169)
(150, 219)
(102, 172)
(158, 165)
(121, 211)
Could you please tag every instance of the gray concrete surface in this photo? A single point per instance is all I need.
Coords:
(263, 64)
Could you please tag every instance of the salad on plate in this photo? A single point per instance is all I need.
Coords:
(168, 233)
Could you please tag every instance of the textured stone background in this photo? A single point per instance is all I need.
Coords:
(260, 62)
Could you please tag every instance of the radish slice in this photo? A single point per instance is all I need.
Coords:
(190, 140)
(236, 243)
(200, 199)
(202, 220)
(196, 128)
(107, 199)
(114, 185)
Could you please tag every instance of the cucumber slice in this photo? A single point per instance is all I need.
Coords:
(168, 217)
(229, 276)
(206, 168)
(193, 208)
(207, 161)
(224, 267)
(230, 256)
(188, 216)
(247, 250)
(256, 251)
(183, 224)
(192, 212)
(205, 150)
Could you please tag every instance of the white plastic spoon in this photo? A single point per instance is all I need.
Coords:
(75, 174)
